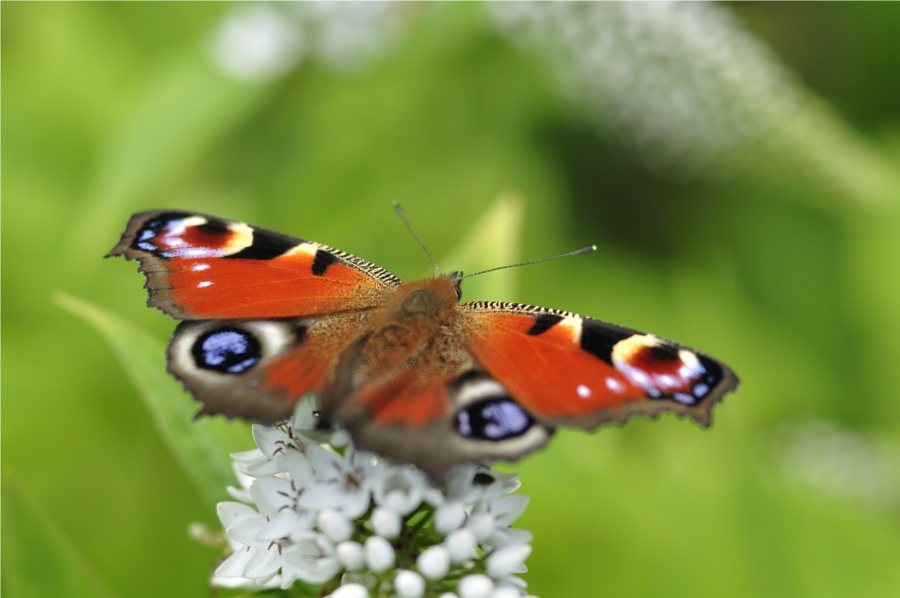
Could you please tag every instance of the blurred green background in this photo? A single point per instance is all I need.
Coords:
(738, 167)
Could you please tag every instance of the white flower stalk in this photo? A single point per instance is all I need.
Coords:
(326, 514)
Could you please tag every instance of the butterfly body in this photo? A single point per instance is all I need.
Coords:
(410, 372)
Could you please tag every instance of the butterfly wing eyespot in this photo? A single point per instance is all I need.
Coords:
(227, 350)
(222, 363)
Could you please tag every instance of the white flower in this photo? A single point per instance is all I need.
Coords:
(470, 483)
(489, 516)
(255, 43)
(345, 484)
(402, 490)
(311, 559)
(242, 493)
(319, 514)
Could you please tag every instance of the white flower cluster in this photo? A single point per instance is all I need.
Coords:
(330, 515)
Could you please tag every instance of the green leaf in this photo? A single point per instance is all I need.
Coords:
(39, 559)
(202, 446)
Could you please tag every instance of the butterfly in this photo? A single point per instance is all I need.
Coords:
(408, 370)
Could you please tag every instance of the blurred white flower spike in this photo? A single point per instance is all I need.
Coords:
(326, 514)
(681, 84)
(263, 42)
(256, 44)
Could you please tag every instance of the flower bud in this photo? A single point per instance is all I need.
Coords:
(434, 562)
(385, 522)
(462, 544)
(475, 586)
(409, 584)
(378, 554)
(449, 516)
(334, 525)
(350, 554)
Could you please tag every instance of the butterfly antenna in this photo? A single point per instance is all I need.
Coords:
(587, 249)
(415, 236)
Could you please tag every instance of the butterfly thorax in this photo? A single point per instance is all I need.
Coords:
(416, 314)
(414, 337)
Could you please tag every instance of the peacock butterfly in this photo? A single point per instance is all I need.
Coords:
(410, 372)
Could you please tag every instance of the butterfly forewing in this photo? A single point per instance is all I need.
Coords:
(567, 369)
(202, 267)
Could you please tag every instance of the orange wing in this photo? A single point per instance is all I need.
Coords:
(201, 267)
(567, 369)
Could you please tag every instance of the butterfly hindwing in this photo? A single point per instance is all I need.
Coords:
(257, 369)
(203, 267)
(438, 423)
(571, 370)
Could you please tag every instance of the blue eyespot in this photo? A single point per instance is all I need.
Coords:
(227, 350)
(493, 420)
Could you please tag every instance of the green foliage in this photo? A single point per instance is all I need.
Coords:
(41, 561)
(786, 270)
(201, 447)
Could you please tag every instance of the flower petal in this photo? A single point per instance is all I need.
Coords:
(508, 508)
(482, 524)
(402, 489)
(269, 439)
(272, 495)
(305, 418)
(462, 544)
(231, 512)
(263, 563)
(245, 531)
(298, 466)
(508, 559)
(449, 516)
(234, 565)
(311, 559)
(248, 457)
